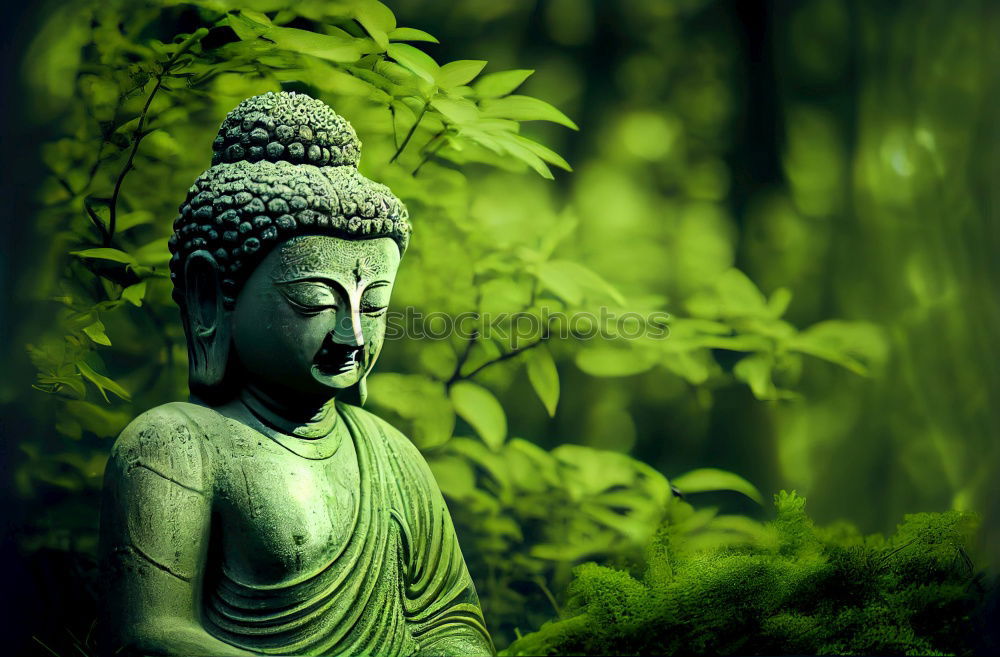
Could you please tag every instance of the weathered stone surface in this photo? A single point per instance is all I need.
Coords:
(268, 515)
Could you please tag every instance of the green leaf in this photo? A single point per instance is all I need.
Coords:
(508, 142)
(454, 475)
(150, 272)
(134, 294)
(732, 295)
(755, 371)
(778, 303)
(572, 281)
(129, 220)
(481, 352)
(350, 81)
(524, 108)
(337, 47)
(704, 480)
(694, 366)
(596, 471)
(106, 254)
(377, 19)
(101, 421)
(565, 225)
(102, 382)
(420, 403)
(415, 60)
(248, 24)
(456, 110)
(611, 362)
(76, 387)
(457, 73)
(501, 83)
(492, 462)
(531, 467)
(387, 80)
(543, 152)
(324, 46)
(477, 406)
(739, 525)
(155, 253)
(411, 34)
(96, 332)
(856, 346)
(561, 281)
(544, 377)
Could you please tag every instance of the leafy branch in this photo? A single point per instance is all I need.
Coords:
(507, 355)
(139, 135)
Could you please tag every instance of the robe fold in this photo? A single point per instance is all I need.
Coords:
(390, 580)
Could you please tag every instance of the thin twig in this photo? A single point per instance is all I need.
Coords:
(409, 135)
(86, 640)
(62, 181)
(429, 151)
(457, 373)
(105, 238)
(139, 134)
(472, 338)
(392, 116)
(42, 644)
(548, 594)
(499, 359)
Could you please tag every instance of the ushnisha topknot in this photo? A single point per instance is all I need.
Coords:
(286, 127)
(285, 165)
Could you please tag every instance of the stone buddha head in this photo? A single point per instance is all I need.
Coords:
(284, 256)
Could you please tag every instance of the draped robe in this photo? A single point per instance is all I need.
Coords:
(296, 562)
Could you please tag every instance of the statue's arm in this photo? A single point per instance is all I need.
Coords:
(442, 605)
(155, 518)
(453, 623)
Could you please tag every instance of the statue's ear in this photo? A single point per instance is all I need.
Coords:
(207, 324)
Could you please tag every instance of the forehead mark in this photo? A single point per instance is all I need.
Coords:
(364, 268)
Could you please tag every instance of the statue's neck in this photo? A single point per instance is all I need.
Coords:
(300, 416)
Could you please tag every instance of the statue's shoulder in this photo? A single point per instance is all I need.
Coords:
(171, 421)
(168, 439)
(393, 435)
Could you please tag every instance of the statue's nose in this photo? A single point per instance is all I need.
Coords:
(348, 329)
(359, 337)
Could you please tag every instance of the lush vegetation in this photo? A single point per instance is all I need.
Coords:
(785, 587)
(753, 205)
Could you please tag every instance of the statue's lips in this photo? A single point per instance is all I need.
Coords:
(335, 358)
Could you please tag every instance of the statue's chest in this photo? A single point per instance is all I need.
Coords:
(279, 516)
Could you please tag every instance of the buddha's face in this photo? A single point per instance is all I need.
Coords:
(311, 318)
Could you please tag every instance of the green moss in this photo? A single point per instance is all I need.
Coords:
(794, 589)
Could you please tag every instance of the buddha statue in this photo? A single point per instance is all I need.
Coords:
(268, 515)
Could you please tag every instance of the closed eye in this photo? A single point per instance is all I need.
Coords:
(375, 299)
(309, 297)
(307, 309)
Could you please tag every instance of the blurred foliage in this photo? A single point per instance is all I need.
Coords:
(527, 516)
(754, 169)
(782, 588)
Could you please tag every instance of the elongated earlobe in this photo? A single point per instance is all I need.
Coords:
(207, 324)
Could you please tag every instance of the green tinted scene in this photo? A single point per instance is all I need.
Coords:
(695, 329)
